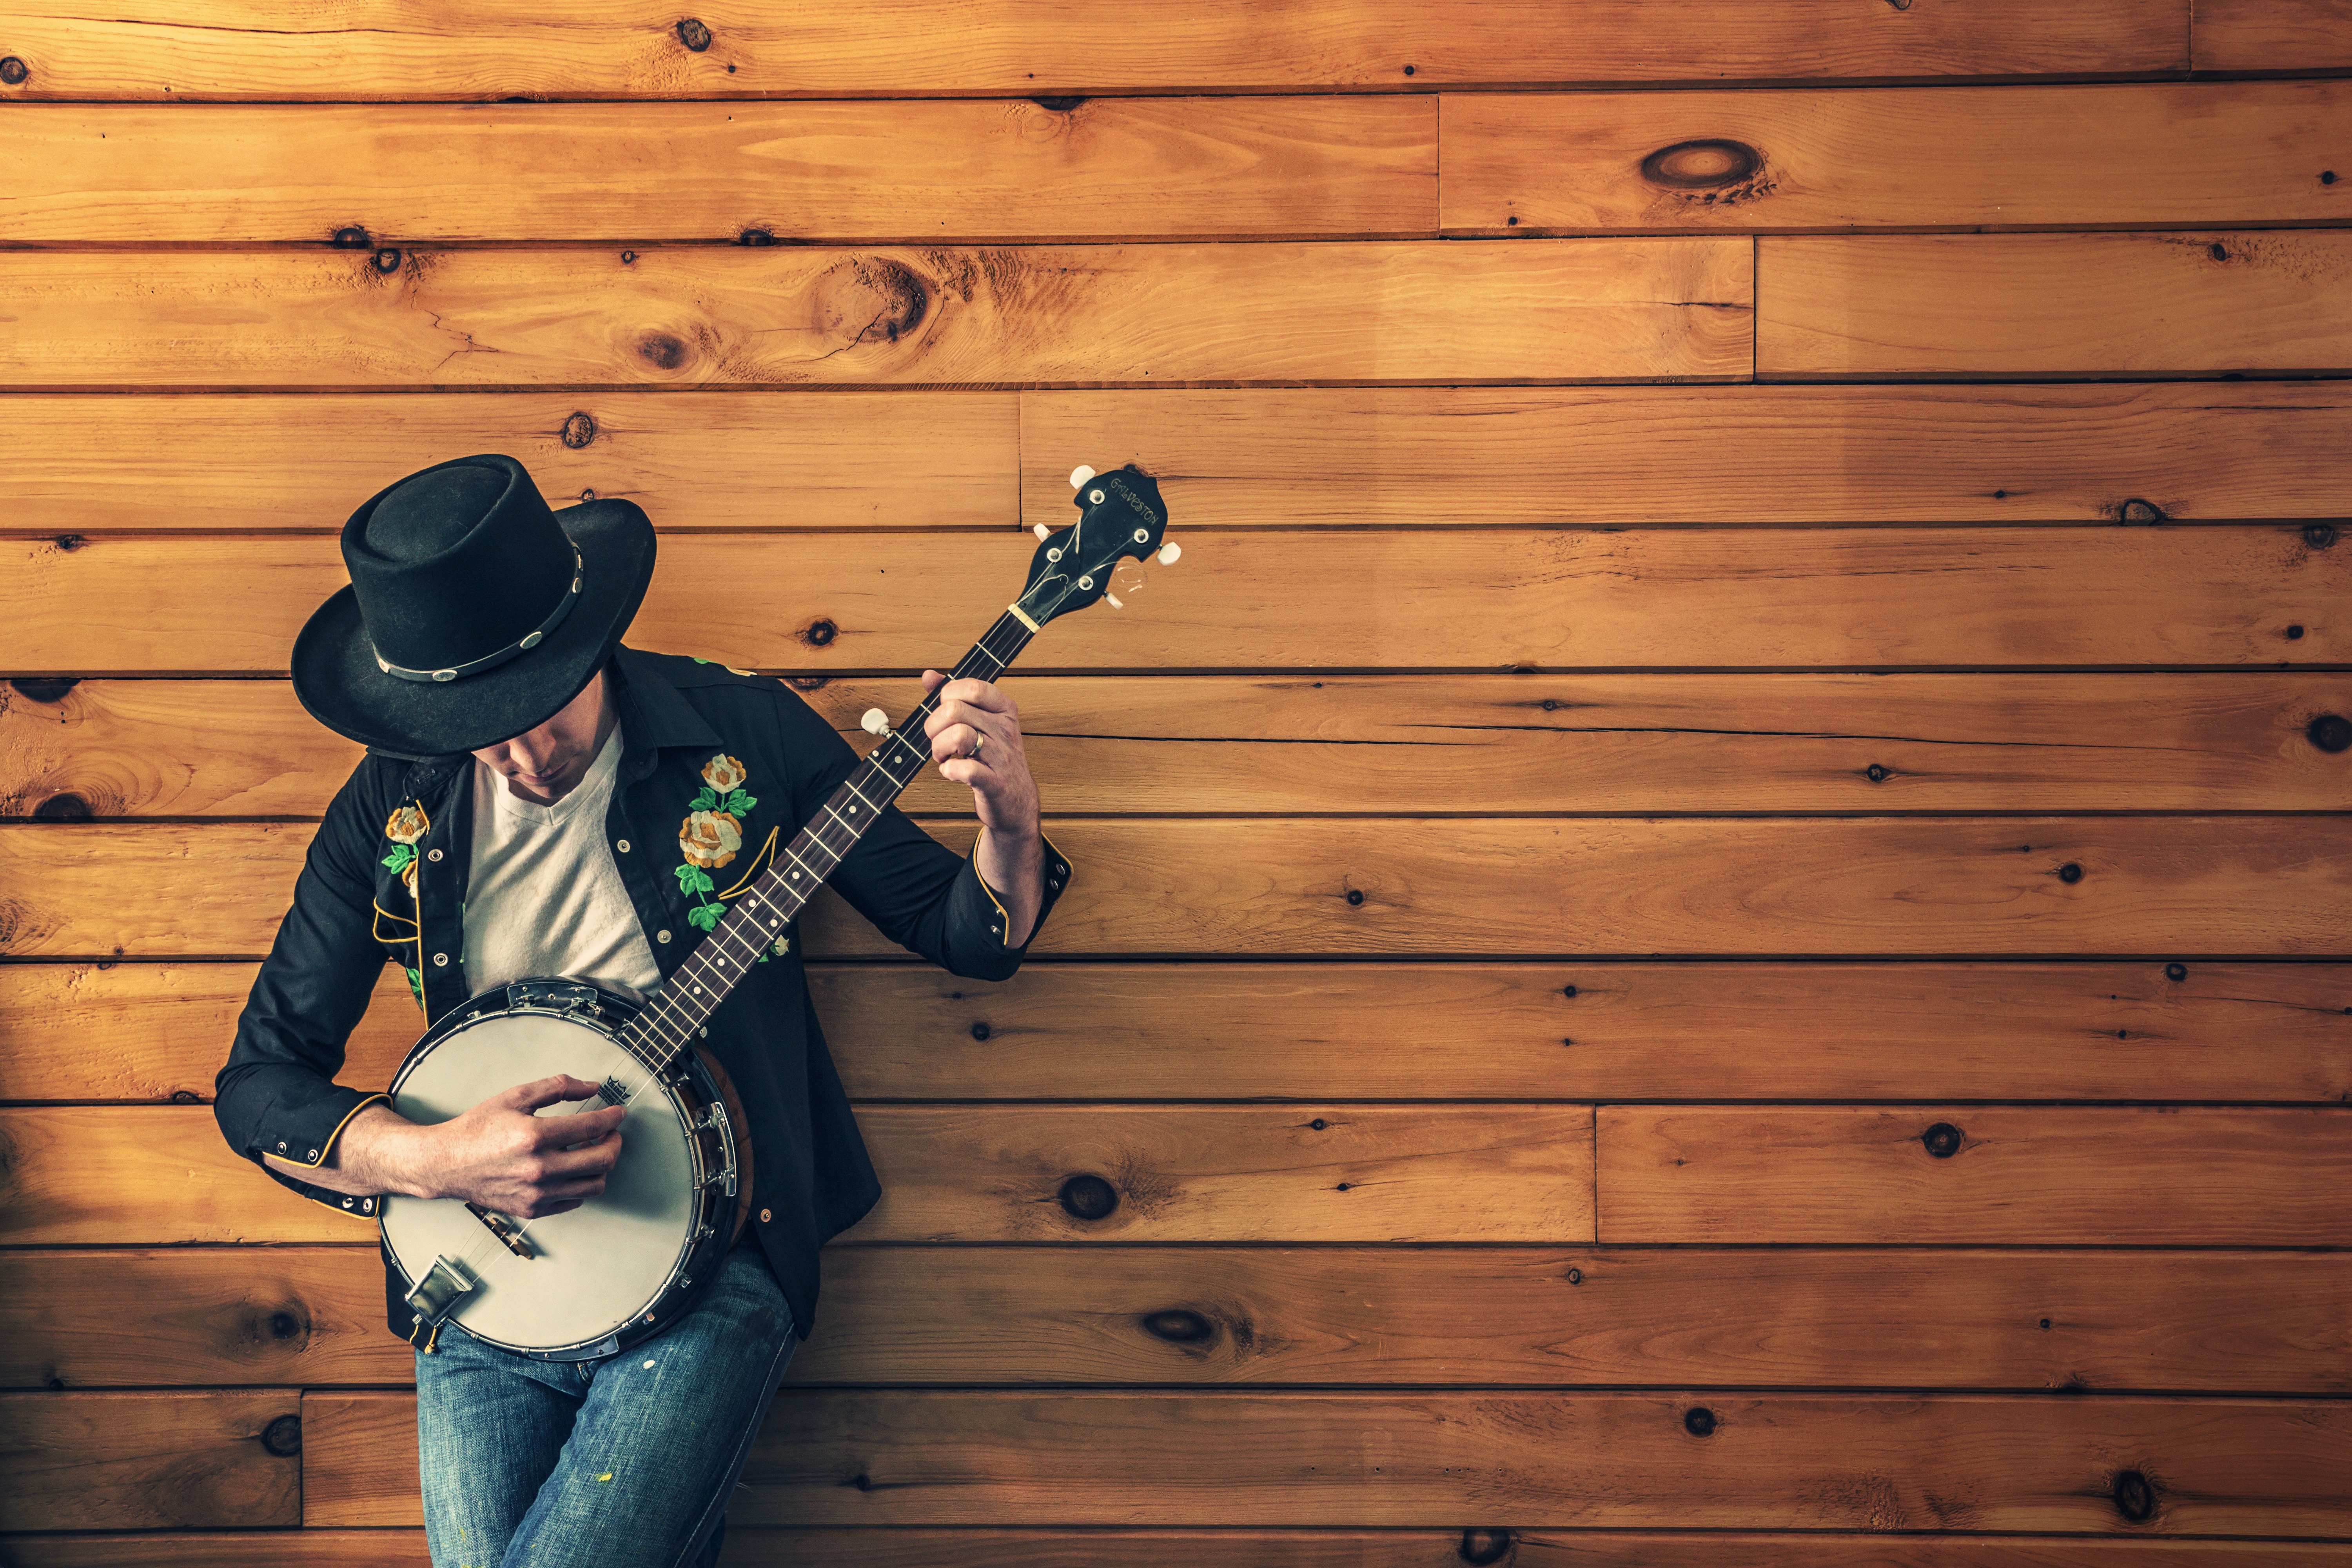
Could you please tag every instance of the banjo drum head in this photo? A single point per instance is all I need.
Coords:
(593, 1268)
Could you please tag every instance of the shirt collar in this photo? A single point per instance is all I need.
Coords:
(654, 713)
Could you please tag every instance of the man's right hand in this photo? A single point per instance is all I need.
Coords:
(499, 1154)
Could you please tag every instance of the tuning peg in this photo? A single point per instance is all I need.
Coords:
(876, 722)
(1169, 551)
(1080, 475)
(1112, 600)
(1041, 530)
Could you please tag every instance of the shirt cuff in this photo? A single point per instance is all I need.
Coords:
(304, 1133)
(992, 917)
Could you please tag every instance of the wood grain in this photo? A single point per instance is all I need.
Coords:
(244, 462)
(686, 316)
(1625, 455)
(1511, 600)
(2183, 1176)
(1840, 1317)
(1375, 744)
(1597, 1461)
(2172, 887)
(902, 172)
(1347, 457)
(1044, 1547)
(1977, 306)
(1478, 1031)
(148, 1461)
(1989, 158)
(1370, 1174)
(2272, 34)
(240, 49)
(1230, 1174)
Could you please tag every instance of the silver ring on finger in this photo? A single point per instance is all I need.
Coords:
(978, 740)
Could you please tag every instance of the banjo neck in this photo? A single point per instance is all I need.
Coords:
(759, 915)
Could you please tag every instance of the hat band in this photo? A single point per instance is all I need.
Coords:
(491, 662)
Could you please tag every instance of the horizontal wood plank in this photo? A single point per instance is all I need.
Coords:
(244, 462)
(1629, 455)
(1369, 744)
(2084, 1175)
(1599, 309)
(1986, 158)
(2272, 34)
(1003, 1173)
(1044, 1547)
(1594, 1461)
(236, 50)
(2188, 303)
(876, 172)
(1227, 458)
(1264, 888)
(1593, 599)
(1854, 1318)
(1223, 1173)
(150, 1460)
(1478, 1031)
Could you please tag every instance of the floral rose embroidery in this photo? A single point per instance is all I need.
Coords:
(710, 839)
(711, 835)
(404, 826)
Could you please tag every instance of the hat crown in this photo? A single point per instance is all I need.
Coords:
(457, 563)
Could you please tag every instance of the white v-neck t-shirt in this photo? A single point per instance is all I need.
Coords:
(542, 894)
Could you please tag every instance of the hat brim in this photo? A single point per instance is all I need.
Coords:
(337, 680)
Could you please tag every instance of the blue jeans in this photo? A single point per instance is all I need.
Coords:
(625, 1460)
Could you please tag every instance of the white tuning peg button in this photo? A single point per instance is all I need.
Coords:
(876, 722)
(1169, 553)
(1080, 475)
(1041, 530)
(1112, 600)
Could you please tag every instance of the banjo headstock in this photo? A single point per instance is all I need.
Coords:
(1121, 518)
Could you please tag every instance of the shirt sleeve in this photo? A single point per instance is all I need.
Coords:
(915, 890)
(277, 1093)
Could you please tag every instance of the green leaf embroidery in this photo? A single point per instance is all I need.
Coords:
(704, 800)
(415, 986)
(740, 805)
(402, 854)
(704, 916)
(693, 878)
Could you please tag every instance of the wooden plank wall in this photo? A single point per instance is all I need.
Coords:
(1711, 914)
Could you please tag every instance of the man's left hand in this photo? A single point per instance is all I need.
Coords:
(975, 735)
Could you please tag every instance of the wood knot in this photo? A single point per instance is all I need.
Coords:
(1319, 1124)
(981, 1031)
(1088, 1197)
(1059, 105)
(871, 299)
(13, 70)
(1178, 1325)
(579, 430)
(284, 1325)
(183, 1097)
(2330, 732)
(1699, 1421)
(627, 257)
(693, 35)
(63, 808)
(2135, 1497)
(2218, 251)
(755, 236)
(2070, 873)
(69, 543)
(2295, 634)
(1355, 895)
(1483, 1546)
(662, 351)
(2326, 176)
(1875, 773)
(351, 239)
(387, 260)
(1708, 164)
(44, 687)
(862, 1481)
(2176, 972)
(283, 1436)
(2135, 509)
(814, 683)
(1942, 1139)
(1569, 991)
(1576, 1276)
(820, 634)
(2319, 536)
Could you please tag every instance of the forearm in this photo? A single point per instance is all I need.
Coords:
(1013, 864)
(380, 1150)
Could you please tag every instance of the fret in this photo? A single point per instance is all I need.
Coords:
(671, 1022)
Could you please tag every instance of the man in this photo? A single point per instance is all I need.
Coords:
(514, 817)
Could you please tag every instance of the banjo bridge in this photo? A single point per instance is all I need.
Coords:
(504, 1229)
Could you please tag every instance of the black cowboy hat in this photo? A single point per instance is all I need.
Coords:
(475, 612)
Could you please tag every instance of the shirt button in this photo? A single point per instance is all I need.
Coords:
(432, 854)
(440, 960)
(661, 936)
(765, 1217)
(281, 1142)
(314, 1156)
(623, 847)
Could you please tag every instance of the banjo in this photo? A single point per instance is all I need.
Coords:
(627, 1263)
